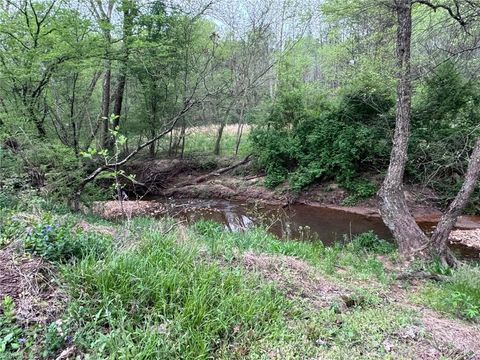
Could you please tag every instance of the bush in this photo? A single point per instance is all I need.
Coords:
(358, 190)
(445, 122)
(62, 243)
(371, 242)
(304, 143)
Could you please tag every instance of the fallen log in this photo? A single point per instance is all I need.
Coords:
(217, 172)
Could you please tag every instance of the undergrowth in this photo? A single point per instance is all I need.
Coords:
(459, 295)
(158, 292)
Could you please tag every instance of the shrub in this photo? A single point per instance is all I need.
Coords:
(62, 243)
(330, 140)
(371, 242)
(444, 127)
(358, 190)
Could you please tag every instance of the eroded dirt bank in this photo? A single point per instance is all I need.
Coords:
(207, 179)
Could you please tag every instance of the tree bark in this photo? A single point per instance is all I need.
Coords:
(439, 239)
(410, 238)
(39, 124)
(106, 102)
(218, 142)
(118, 99)
(129, 12)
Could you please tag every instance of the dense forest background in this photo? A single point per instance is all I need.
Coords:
(308, 87)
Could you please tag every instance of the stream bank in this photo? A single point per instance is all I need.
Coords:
(191, 190)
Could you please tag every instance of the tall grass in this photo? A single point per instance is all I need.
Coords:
(163, 300)
(201, 141)
(180, 295)
(360, 261)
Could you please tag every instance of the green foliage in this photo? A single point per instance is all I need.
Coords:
(358, 190)
(13, 180)
(371, 242)
(161, 301)
(10, 332)
(360, 256)
(445, 125)
(40, 341)
(333, 140)
(459, 295)
(60, 242)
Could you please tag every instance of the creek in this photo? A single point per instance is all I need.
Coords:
(296, 222)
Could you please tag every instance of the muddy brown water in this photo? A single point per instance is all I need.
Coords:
(296, 222)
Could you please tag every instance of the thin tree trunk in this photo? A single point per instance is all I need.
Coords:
(152, 145)
(118, 99)
(106, 102)
(170, 144)
(441, 234)
(129, 12)
(239, 138)
(73, 123)
(395, 213)
(240, 129)
(39, 124)
(218, 142)
(182, 138)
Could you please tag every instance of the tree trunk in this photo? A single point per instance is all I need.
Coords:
(218, 142)
(410, 238)
(106, 102)
(73, 123)
(239, 138)
(441, 234)
(170, 144)
(240, 129)
(118, 99)
(129, 12)
(152, 145)
(182, 139)
(39, 124)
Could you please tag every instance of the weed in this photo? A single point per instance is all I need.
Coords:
(10, 332)
(459, 295)
(370, 242)
(360, 256)
(59, 242)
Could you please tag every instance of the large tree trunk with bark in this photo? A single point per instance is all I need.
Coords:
(410, 238)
